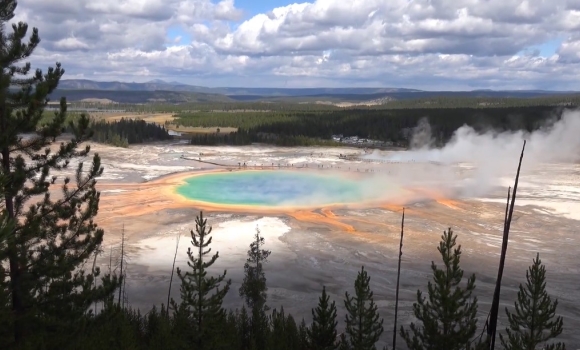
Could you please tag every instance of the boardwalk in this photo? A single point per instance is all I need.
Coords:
(353, 168)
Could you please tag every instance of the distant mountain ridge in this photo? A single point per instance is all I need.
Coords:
(174, 92)
(161, 85)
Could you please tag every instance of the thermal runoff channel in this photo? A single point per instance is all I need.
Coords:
(274, 188)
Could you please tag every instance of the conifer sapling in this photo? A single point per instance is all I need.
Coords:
(534, 321)
(447, 315)
(254, 288)
(322, 333)
(202, 296)
(363, 325)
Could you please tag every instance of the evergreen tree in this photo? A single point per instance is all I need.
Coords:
(201, 296)
(532, 323)
(254, 288)
(245, 330)
(448, 315)
(363, 326)
(303, 336)
(125, 132)
(157, 330)
(50, 239)
(322, 333)
(230, 332)
(260, 329)
(284, 332)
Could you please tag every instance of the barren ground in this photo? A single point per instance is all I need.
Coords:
(312, 247)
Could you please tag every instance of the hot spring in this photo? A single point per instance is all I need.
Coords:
(275, 189)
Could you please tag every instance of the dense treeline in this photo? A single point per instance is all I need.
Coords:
(141, 103)
(454, 101)
(393, 126)
(449, 101)
(126, 132)
(236, 138)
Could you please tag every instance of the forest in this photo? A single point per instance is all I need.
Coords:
(310, 128)
(384, 102)
(125, 132)
(305, 128)
(296, 126)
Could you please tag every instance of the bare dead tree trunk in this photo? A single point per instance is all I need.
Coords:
(398, 277)
(97, 251)
(506, 231)
(111, 260)
(125, 296)
(122, 258)
(15, 268)
(172, 272)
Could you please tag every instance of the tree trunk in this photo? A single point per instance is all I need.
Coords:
(15, 273)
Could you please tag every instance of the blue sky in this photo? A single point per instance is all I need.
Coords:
(546, 49)
(549, 48)
(177, 31)
(254, 7)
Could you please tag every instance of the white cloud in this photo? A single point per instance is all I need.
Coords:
(432, 44)
(70, 44)
(569, 52)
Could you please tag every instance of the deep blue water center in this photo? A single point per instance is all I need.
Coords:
(271, 188)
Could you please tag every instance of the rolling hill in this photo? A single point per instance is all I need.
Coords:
(173, 92)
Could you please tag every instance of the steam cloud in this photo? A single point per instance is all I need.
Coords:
(472, 164)
(491, 155)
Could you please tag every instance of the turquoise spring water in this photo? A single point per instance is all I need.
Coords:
(272, 188)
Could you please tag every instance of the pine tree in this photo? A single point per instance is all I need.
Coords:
(284, 335)
(532, 323)
(303, 336)
(448, 315)
(322, 333)
(254, 288)
(363, 326)
(244, 329)
(50, 240)
(260, 329)
(230, 338)
(157, 330)
(201, 296)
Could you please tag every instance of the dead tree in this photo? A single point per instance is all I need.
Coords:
(172, 272)
(122, 273)
(398, 277)
(491, 331)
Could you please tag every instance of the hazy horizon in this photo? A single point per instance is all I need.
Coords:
(168, 81)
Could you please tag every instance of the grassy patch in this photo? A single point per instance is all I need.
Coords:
(157, 118)
(168, 120)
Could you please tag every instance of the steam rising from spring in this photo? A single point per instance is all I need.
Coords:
(472, 164)
(491, 155)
